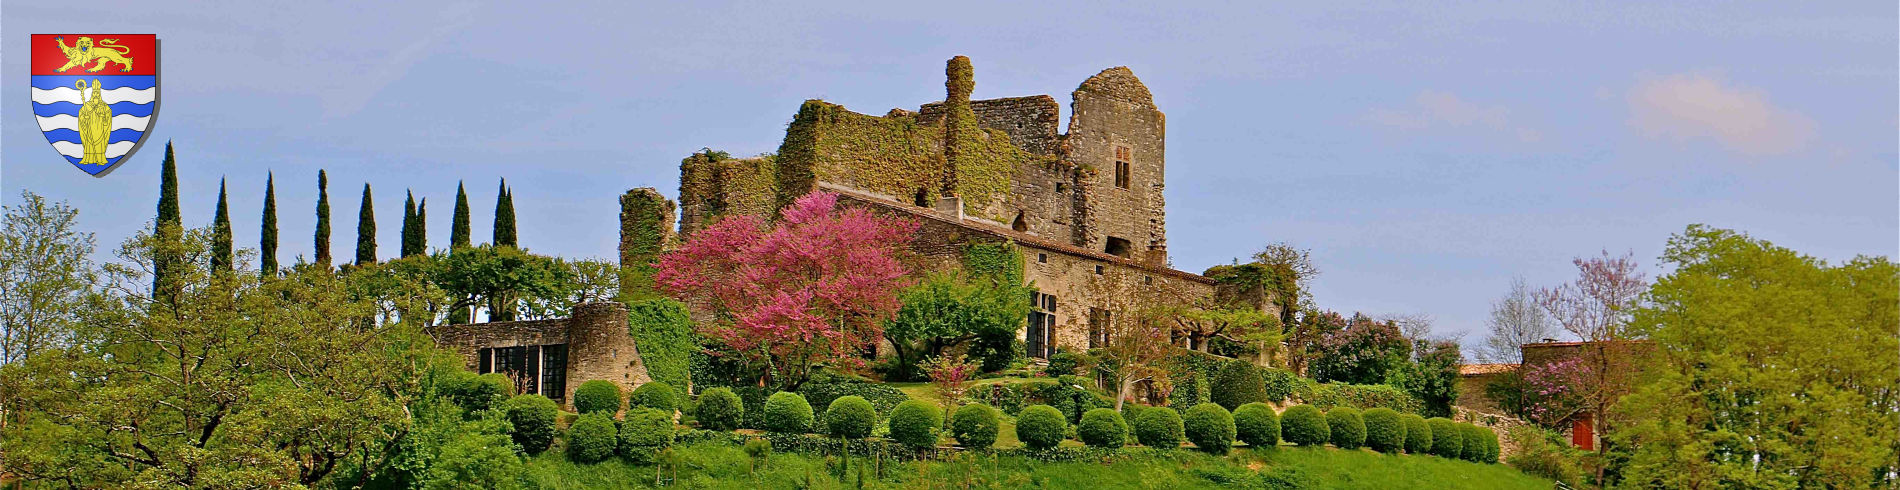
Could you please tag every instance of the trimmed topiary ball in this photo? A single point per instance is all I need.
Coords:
(1418, 435)
(1041, 427)
(915, 423)
(786, 412)
(1305, 425)
(1102, 427)
(644, 434)
(1347, 426)
(719, 409)
(975, 426)
(1473, 447)
(1385, 431)
(1210, 428)
(533, 418)
(1064, 362)
(1257, 425)
(850, 417)
(592, 438)
(476, 393)
(1447, 442)
(597, 396)
(1160, 428)
(1490, 438)
(655, 395)
(1238, 383)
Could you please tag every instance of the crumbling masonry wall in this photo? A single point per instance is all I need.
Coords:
(646, 226)
(710, 188)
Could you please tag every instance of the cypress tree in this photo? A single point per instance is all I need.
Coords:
(408, 224)
(505, 217)
(422, 227)
(458, 226)
(221, 234)
(267, 243)
(168, 228)
(366, 231)
(323, 220)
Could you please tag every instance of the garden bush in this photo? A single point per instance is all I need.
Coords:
(592, 438)
(477, 393)
(1545, 453)
(533, 419)
(1490, 438)
(597, 396)
(1473, 447)
(1238, 384)
(1189, 390)
(1210, 428)
(1418, 435)
(645, 433)
(975, 426)
(1041, 427)
(1305, 425)
(1347, 426)
(1447, 442)
(1102, 427)
(656, 395)
(1385, 430)
(786, 412)
(1160, 428)
(820, 392)
(1063, 363)
(719, 409)
(850, 417)
(1281, 384)
(1257, 425)
(1363, 397)
(915, 423)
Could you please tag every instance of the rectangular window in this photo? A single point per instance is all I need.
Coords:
(554, 371)
(1040, 339)
(1122, 156)
(484, 361)
(1099, 327)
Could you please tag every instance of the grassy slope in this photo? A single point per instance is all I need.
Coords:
(723, 466)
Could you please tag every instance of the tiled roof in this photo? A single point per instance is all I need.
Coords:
(1478, 369)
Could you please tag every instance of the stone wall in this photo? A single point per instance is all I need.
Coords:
(646, 226)
(599, 346)
(1032, 123)
(712, 188)
(1114, 110)
(468, 339)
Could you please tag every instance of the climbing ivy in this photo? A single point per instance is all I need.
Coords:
(895, 155)
(663, 331)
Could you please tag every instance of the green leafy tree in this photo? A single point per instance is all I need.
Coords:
(1432, 378)
(950, 309)
(322, 250)
(366, 230)
(505, 216)
(1775, 370)
(512, 282)
(1367, 351)
(422, 228)
(221, 257)
(267, 235)
(408, 225)
(458, 225)
(46, 276)
(169, 227)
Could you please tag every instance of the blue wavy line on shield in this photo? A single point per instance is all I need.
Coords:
(94, 169)
(68, 135)
(71, 109)
(106, 82)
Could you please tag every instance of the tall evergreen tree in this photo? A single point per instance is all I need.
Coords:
(267, 241)
(169, 228)
(458, 226)
(323, 219)
(221, 234)
(408, 224)
(422, 227)
(505, 217)
(366, 230)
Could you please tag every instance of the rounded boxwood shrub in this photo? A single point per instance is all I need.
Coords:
(1347, 426)
(592, 438)
(975, 426)
(1490, 438)
(719, 409)
(476, 393)
(1257, 425)
(850, 417)
(1305, 425)
(597, 396)
(1418, 435)
(1041, 426)
(1385, 432)
(786, 412)
(1210, 428)
(1102, 427)
(1473, 447)
(655, 395)
(1238, 383)
(533, 418)
(915, 423)
(1446, 440)
(1160, 427)
(644, 433)
(1064, 362)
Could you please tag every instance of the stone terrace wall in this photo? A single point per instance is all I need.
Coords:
(468, 339)
(601, 347)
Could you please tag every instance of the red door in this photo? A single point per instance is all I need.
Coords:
(1581, 431)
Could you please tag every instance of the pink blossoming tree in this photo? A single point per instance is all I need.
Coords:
(813, 288)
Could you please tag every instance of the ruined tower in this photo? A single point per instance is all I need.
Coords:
(1117, 139)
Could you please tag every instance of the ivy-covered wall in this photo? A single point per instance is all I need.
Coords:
(714, 185)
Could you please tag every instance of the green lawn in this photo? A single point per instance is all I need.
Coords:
(716, 465)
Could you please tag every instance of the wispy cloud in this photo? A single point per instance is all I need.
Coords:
(1686, 107)
(1433, 109)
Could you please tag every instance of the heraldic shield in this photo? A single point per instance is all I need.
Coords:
(95, 95)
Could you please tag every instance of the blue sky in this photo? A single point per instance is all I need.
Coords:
(1426, 154)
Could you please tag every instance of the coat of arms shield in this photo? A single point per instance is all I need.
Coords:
(95, 95)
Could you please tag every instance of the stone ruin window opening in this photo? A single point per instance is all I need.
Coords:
(1042, 258)
(1040, 339)
(1119, 247)
(1019, 224)
(533, 369)
(1098, 270)
(923, 197)
(1122, 157)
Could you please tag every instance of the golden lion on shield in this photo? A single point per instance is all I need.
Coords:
(83, 52)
